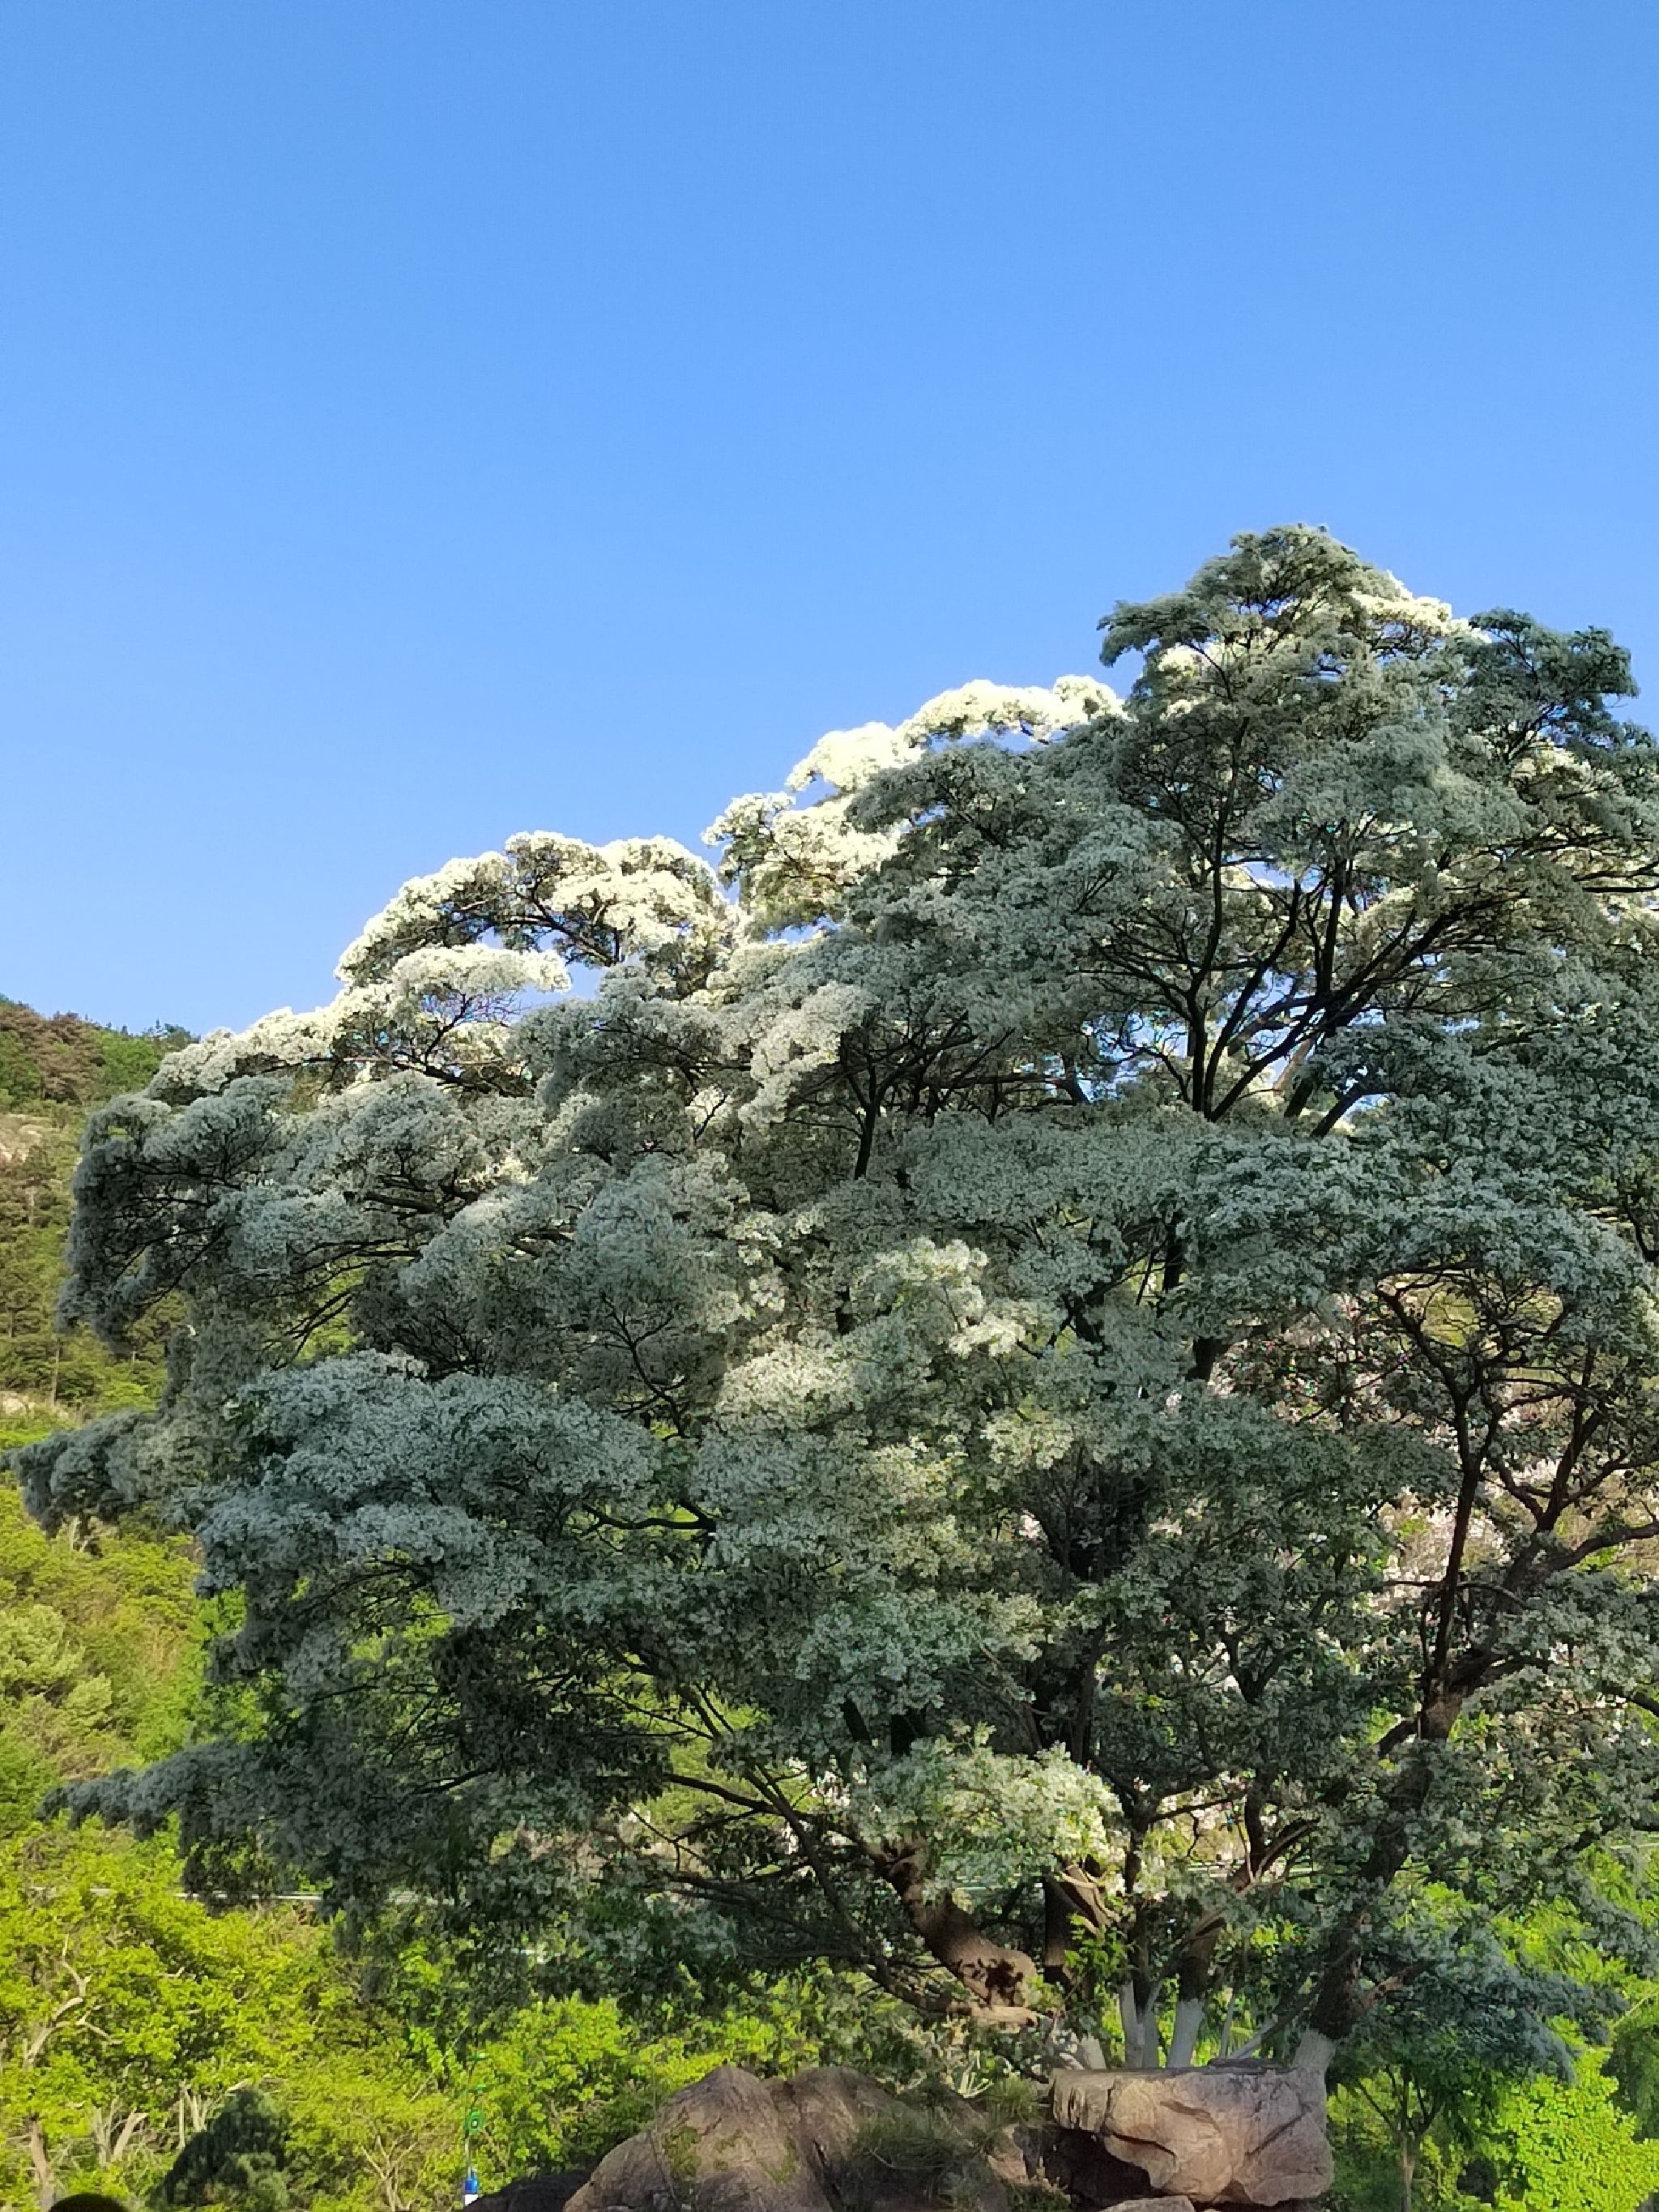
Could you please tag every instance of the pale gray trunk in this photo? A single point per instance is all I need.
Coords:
(1188, 2021)
(46, 2180)
(1314, 2053)
(1140, 2024)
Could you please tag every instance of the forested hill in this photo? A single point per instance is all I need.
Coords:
(53, 1068)
(59, 1060)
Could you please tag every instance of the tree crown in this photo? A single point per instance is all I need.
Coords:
(1048, 1377)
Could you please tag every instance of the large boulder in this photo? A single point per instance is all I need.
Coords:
(870, 2151)
(1217, 2135)
(720, 2146)
(828, 2140)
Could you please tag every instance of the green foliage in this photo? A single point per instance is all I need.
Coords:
(1470, 2019)
(568, 2077)
(124, 2005)
(128, 2007)
(61, 1061)
(1632, 2063)
(99, 1648)
(20, 1076)
(122, 2002)
(1567, 2146)
(936, 2144)
(1547, 2145)
(49, 1073)
(130, 2010)
(368, 2131)
(1008, 2101)
(240, 2154)
(924, 2147)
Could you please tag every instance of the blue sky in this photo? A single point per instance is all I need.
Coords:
(422, 421)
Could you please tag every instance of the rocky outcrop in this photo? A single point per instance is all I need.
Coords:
(1217, 2135)
(720, 2146)
(828, 2140)
(834, 2141)
(20, 1135)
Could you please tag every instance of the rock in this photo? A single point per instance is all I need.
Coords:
(826, 2110)
(1218, 2134)
(1079, 2167)
(833, 2141)
(731, 2143)
(541, 2193)
(720, 2146)
(18, 1137)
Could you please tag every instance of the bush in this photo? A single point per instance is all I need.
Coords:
(240, 2154)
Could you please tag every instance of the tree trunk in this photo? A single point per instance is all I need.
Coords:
(999, 1980)
(46, 2180)
(1336, 1994)
(1314, 2052)
(1068, 1897)
(1194, 1976)
(1188, 2024)
(1138, 2016)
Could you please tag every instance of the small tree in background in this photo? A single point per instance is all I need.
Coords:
(1045, 1391)
(237, 2157)
(1442, 2042)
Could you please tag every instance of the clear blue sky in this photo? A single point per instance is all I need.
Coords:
(421, 422)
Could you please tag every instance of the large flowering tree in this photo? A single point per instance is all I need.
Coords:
(1043, 1384)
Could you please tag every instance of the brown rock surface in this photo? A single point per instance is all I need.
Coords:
(720, 2146)
(1218, 2134)
(826, 2110)
(732, 2143)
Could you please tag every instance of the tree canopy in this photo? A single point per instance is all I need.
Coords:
(1043, 1383)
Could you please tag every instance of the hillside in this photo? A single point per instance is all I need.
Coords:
(53, 1069)
(130, 2011)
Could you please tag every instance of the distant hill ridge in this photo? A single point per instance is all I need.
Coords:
(54, 1069)
(64, 1060)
